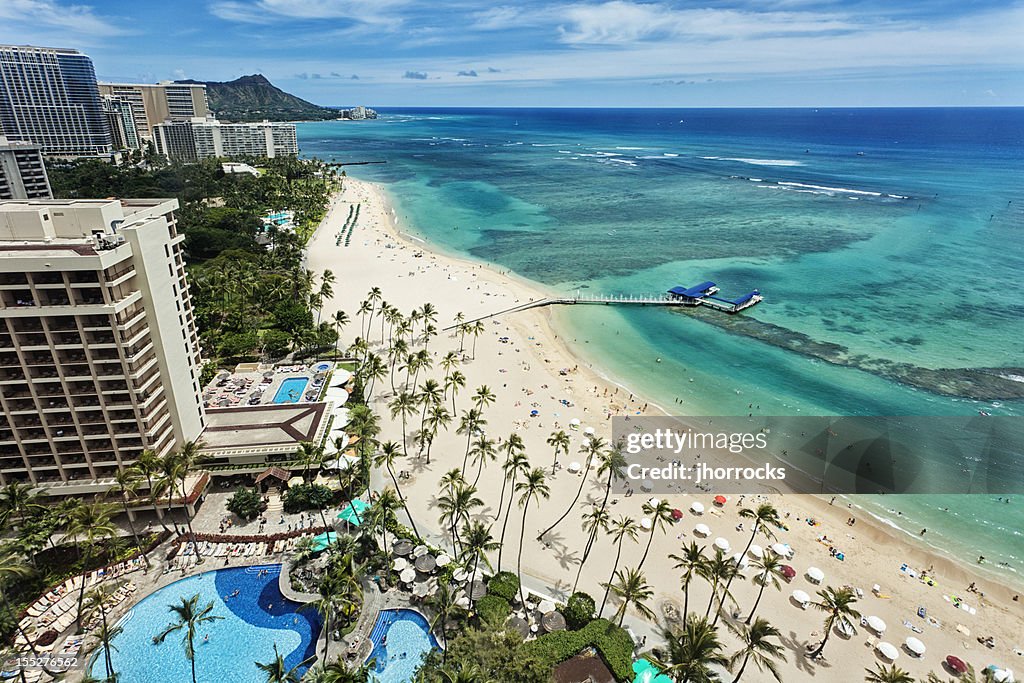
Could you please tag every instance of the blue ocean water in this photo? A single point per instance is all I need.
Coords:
(227, 649)
(887, 243)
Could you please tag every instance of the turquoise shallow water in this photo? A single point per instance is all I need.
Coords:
(885, 241)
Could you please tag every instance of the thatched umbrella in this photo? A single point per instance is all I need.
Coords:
(520, 625)
(402, 547)
(553, 621)
(478, 590)
(425, 563)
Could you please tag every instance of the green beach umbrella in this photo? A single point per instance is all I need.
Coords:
(323, 540)
(353, 512)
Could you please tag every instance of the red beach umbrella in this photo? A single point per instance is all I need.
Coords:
(956, 664)
(788, 572)
(677, 514)
(720, 500)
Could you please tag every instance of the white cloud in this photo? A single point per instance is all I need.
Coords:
(23, 21)
(270, 11)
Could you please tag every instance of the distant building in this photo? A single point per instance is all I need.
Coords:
(154, 103)
(22, 172)
(99, 352)
(237, 168)
(49, 96)
(120, 117)
(358, 113)
(203, 138)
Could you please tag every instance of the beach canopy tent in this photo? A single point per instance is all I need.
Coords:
(801, 597)
(646, 672)
(702, 530)
(321, 542)
(956, 664)
(272, 473)
(354, 512)
(696, 508)
(575, 466)
(755, 551)
(589, 431)
(340, 377)
(876, 624)
(915, 646)
(815, 574)
(888, 650)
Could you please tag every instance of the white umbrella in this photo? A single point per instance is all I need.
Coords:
(653, 502)
(575, 466)
(815, 574)
(340, 377)
(443, 560)
(888, 650)
(460, 575)
(546, 606)
(408, 575)
(780, 549)
(801, 597)
(589, 431)
(756, 551)
(915, 646)
(1004, 676)
(696, 508)
(463, 602)
(646, 523)
(400, 564)
(647, 485)
(876, 624)
(702, 529)
(740, 559)
(337, 395)
(420, 551)
(575, 422)
(722, 544)
(420, 590)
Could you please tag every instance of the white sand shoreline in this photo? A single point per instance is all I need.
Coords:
(524, 374)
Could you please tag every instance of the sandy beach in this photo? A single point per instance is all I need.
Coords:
(529, 368)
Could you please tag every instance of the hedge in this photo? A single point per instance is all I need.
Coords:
(579, 610)
(504, 585)
(613, 643)
(493, 609)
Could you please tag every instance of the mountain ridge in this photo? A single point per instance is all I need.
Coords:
(254, 98)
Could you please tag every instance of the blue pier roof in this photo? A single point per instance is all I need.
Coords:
(697, 292)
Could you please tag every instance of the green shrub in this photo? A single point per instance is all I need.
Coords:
(612, 642)
(493, 610)
(579, 610)
(246, 503)
(504, 585)
(307, 497)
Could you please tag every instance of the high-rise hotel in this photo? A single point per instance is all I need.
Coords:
(99, 353)
(49, 96)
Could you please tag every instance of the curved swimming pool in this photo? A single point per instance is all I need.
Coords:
(400, 639)
(254, 620)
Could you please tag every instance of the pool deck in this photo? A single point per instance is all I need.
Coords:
(252, 385)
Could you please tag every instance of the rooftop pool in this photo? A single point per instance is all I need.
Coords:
(400, 639)
(227, 650)
(291, 390)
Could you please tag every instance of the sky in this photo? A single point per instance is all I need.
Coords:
(588, 53)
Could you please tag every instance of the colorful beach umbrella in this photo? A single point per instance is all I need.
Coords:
(354, 512)
(788, 572)
(721, 500)
(323, 540)
(956, 664)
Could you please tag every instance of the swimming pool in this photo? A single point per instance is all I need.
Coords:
(408, 638)
(226, 650)
(322, 367)
(291, 390)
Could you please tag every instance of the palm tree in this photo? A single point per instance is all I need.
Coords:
(622, 528)
(373, 297)
(127, 485)
(838, 605)
(593, 522)
(455, 505)
(757, 644)
(403, 405)
(482, 453)
(612, 463)
(148, 465)
(278, 673)
(690, 563)
(559, 441)
(764, 516)
(453, 383)
(90, 525)
(437, 418)
(443, 602)
(533, 487)
(478, 542)
(429, 396)
(388, 452)
(661, 516)
(189, 616)
(715, 571)
(475, 329)
(592, 447)
(771, 573)
(309, 453)
(13, 567)
(512, 445)
(374, 370)
(381, 513)
(449, 362)
(517, 464)
(339, 320)
(94, 604)
(692, 652)
(630, 586)
(18, 500)
(324, 606)
(887, 674)
(483, 397)
(469, 424)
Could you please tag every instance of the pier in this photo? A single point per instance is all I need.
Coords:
(701, 295)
